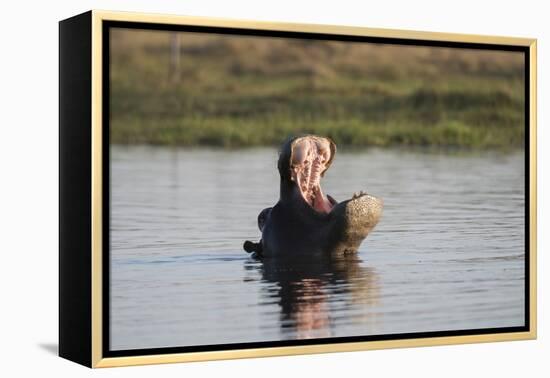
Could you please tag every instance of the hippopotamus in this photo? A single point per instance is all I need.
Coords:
(306, 222)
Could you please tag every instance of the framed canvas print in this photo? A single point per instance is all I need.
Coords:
(235, 189)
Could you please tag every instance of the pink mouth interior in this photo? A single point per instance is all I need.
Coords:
(310, 157)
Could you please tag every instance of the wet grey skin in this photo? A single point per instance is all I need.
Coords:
(305, 222)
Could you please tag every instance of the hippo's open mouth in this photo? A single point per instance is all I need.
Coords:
(305, 222)
(310, 158)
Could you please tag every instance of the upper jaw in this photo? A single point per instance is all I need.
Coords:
(310, 157)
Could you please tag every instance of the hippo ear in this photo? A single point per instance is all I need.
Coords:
(285, 156)
(332, 153)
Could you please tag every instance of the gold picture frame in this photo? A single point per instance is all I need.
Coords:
(82, 194)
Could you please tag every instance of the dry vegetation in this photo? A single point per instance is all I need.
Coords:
(237, 91)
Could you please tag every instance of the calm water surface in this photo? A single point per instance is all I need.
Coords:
(448, 253)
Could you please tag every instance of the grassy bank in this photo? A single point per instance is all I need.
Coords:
(248, 91)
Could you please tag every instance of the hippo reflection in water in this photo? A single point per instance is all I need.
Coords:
(306, 222)
(316, 296)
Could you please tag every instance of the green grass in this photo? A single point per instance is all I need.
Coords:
(250, 91)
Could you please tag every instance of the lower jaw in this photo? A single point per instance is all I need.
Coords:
(322, 208)
(320, 203)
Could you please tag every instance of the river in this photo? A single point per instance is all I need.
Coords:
(448, 253)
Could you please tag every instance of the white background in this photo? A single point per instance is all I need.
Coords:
(29, 189)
